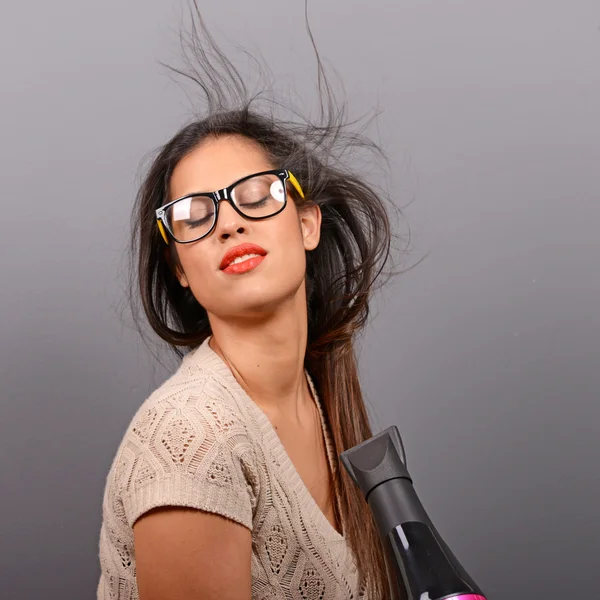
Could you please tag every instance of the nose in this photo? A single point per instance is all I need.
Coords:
(228, 220)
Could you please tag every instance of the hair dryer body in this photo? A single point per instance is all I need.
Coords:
(420, 559)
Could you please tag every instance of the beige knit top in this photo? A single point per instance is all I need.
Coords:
(200, 441)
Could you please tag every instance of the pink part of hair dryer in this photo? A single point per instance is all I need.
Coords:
(422, 565)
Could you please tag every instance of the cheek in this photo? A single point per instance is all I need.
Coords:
(291, 260)
(195, 266)
(289, 243)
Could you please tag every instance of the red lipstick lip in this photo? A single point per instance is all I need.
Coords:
(240, 250)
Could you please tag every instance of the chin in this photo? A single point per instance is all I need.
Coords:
(257, 300)
(260, 300)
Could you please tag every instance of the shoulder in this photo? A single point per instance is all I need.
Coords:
(189, 443)
(198, 402)
(201, 390)
(190, 408)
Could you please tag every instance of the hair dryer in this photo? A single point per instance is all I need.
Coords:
(420, 559)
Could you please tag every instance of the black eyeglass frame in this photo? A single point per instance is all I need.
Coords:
(224, 195)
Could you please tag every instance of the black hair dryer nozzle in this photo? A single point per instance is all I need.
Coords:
(422, 565)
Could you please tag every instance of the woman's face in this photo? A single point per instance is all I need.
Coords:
(215, 164)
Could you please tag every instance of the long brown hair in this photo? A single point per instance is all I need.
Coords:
(341, 274)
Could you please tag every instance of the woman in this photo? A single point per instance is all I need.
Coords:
(259, 255)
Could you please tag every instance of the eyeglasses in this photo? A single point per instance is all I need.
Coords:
(258, 196)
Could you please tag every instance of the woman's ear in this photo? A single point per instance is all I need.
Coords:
(182, 278)
(176, 268)
(310, 225)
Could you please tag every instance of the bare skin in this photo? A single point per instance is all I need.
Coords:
(259, 324)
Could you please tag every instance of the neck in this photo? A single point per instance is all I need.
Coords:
(266, 356)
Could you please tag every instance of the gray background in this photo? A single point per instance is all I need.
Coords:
(486, 355)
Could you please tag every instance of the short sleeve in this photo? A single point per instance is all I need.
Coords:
(193, 451)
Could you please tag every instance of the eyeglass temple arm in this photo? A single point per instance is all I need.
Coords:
(295, 183)
(162, 231)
